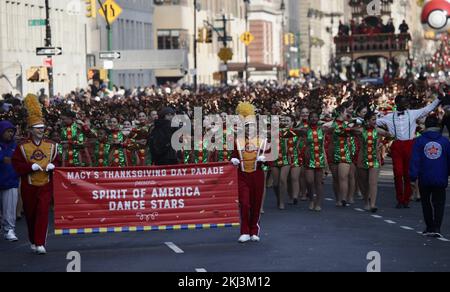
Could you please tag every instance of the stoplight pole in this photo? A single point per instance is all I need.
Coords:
(48, 43)
(195, 47)
(109, 32)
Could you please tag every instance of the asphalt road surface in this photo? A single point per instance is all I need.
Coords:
(293, 240)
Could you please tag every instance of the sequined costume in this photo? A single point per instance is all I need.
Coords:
(72, 155)
(314, 152)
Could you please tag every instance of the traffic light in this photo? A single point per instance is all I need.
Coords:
(91, 8)
(37, 74)
(289, 39)
(97, 74)
(103, 74)
(292, 38)
(201, 35)
(294, 73)
(209, 36)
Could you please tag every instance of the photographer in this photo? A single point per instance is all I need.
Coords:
(444, 92)
(161, 137)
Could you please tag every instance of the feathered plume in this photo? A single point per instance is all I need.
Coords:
(245, 109)
(34, 110)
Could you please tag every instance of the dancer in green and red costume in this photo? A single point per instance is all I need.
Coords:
(369, 159)
(117, 155)
(72, 142)
(341, 152)
(138, 138)
(281, 167)
(101, 149)
(303, 115)
(315, 160)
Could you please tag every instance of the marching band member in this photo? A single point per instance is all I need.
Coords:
(35, 160)
(402, 125)
(249, 156)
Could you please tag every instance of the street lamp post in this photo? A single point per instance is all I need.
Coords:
(110, 41)
(247, 4)
(283, 9)
(314, 13)
(195, 47)
(48, 43)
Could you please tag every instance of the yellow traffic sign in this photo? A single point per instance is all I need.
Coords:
(112, 9)
(225, 54)
(247, 38)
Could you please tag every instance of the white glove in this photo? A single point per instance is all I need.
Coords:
(36, 167)
(235, 161)
(50, 167)
(261, 159)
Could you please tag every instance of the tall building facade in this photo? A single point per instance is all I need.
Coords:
(19, 39)
(174, 29)
(133, 30)
(268, 24)
(292, 42)
(318, 24)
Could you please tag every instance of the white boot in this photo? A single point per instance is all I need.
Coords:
(255, 238)
(40, 250)
(11, 236)
(244, 238)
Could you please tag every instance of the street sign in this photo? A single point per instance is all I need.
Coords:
(37, 22)
(48, 62)
(110, 55)
(247, 38)
(113, 10)
(47, 51)
(223, 68)
(108, 64)
(225, 54)
(222, 39)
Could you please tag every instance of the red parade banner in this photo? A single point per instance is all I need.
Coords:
(106, 200)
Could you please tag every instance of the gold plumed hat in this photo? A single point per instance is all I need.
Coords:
(35, 118)
(245, 109)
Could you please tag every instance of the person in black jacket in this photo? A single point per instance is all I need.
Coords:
(160, 140)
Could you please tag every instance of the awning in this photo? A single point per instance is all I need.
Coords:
(238, 67)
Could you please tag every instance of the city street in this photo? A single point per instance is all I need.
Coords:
(294, 240)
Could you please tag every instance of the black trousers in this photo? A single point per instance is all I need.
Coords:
(433, 205)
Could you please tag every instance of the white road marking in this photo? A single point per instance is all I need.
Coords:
(377, 216)
(443, 239)
(386, 173)
(359, 210)
(200, 270)
(173, 247)
(406, 228)
(390, 222)
(329, 199)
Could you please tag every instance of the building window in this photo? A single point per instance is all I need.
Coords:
(169, 39)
